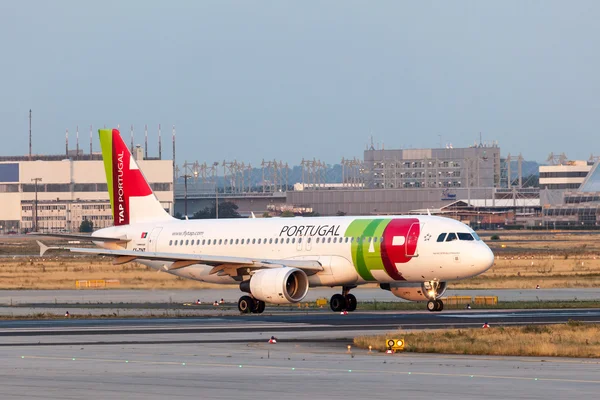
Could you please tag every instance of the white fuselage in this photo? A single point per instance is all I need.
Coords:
(352, 250)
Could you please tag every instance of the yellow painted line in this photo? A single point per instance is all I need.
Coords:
(287, 368)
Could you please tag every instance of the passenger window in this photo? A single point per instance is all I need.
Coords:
(308, 240)
(203, 242)
(271, 241)
(276, 240)
(242, 241)
(237, 241)
(208, 242)
(293, 240)
(220, 241)
(451, 237)
(170, 242)
(265, 241)
(464, 236)
(187, 242)
(299, 240)
(352, 239)
(441, 237)
(329, 240)
(258, 241)
(318, 239)
(287, 240)
(253, 241)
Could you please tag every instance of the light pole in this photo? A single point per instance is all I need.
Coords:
(185, 178)
(35, 218)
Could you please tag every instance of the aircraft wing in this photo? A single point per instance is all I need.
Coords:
(81, 237)
(222, 265)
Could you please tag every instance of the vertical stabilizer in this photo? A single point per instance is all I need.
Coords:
(131, 197)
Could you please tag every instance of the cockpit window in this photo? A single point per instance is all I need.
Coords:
(464, 236)
(476, 236)
(451, 236)
(441, 237)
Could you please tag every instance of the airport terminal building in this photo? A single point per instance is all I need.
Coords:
(68, 191)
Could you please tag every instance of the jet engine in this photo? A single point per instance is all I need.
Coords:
(277, 285)
(415, 291)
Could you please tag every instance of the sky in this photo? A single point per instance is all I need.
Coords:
(286, 80)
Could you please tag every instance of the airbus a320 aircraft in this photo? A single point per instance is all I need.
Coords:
(276, 260)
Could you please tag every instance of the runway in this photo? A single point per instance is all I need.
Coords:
(290, 325)
(228, 357)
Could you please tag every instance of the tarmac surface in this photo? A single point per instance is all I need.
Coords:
(292, 325)
(232, 294)
(229, 358)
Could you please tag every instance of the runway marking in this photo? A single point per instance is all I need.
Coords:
(287, 368)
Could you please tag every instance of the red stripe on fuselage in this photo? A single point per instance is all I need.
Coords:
(390, 254)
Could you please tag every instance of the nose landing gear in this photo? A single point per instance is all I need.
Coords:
(433, 290)
(435, 305)
(344, 301)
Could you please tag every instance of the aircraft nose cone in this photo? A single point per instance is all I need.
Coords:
(484, 259)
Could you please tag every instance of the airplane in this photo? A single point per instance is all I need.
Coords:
(277, 260)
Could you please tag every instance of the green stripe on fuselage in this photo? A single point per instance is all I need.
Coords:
(365, 261)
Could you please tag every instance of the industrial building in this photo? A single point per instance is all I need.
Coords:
(477, 166)
(568, 176)
(573, 204)
(65, 191)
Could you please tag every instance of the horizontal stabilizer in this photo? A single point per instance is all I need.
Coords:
(81, 237)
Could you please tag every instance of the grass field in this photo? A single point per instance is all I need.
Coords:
(61, 273)
(551, 260)
(573, 339)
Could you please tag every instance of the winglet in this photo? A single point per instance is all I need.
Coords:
(43, 248)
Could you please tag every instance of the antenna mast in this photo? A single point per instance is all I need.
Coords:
(30, 134)
(159, 144)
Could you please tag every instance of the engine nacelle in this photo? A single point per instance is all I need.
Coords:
(277, 285)
(415, 291)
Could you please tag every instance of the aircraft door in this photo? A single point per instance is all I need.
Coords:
(412, 240)
(153, 239)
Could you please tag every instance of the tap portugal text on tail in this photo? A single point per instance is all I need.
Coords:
(277, 260)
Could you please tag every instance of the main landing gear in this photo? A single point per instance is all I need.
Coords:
(344, 301)
(247, 305)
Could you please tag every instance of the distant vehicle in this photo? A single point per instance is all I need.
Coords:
(12, 233)
(276, 260)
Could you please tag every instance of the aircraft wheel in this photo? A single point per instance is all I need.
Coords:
(432, 305)
(440, 305)
(351, 301)
(337, 302)
(246, 304)
(259, 307)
